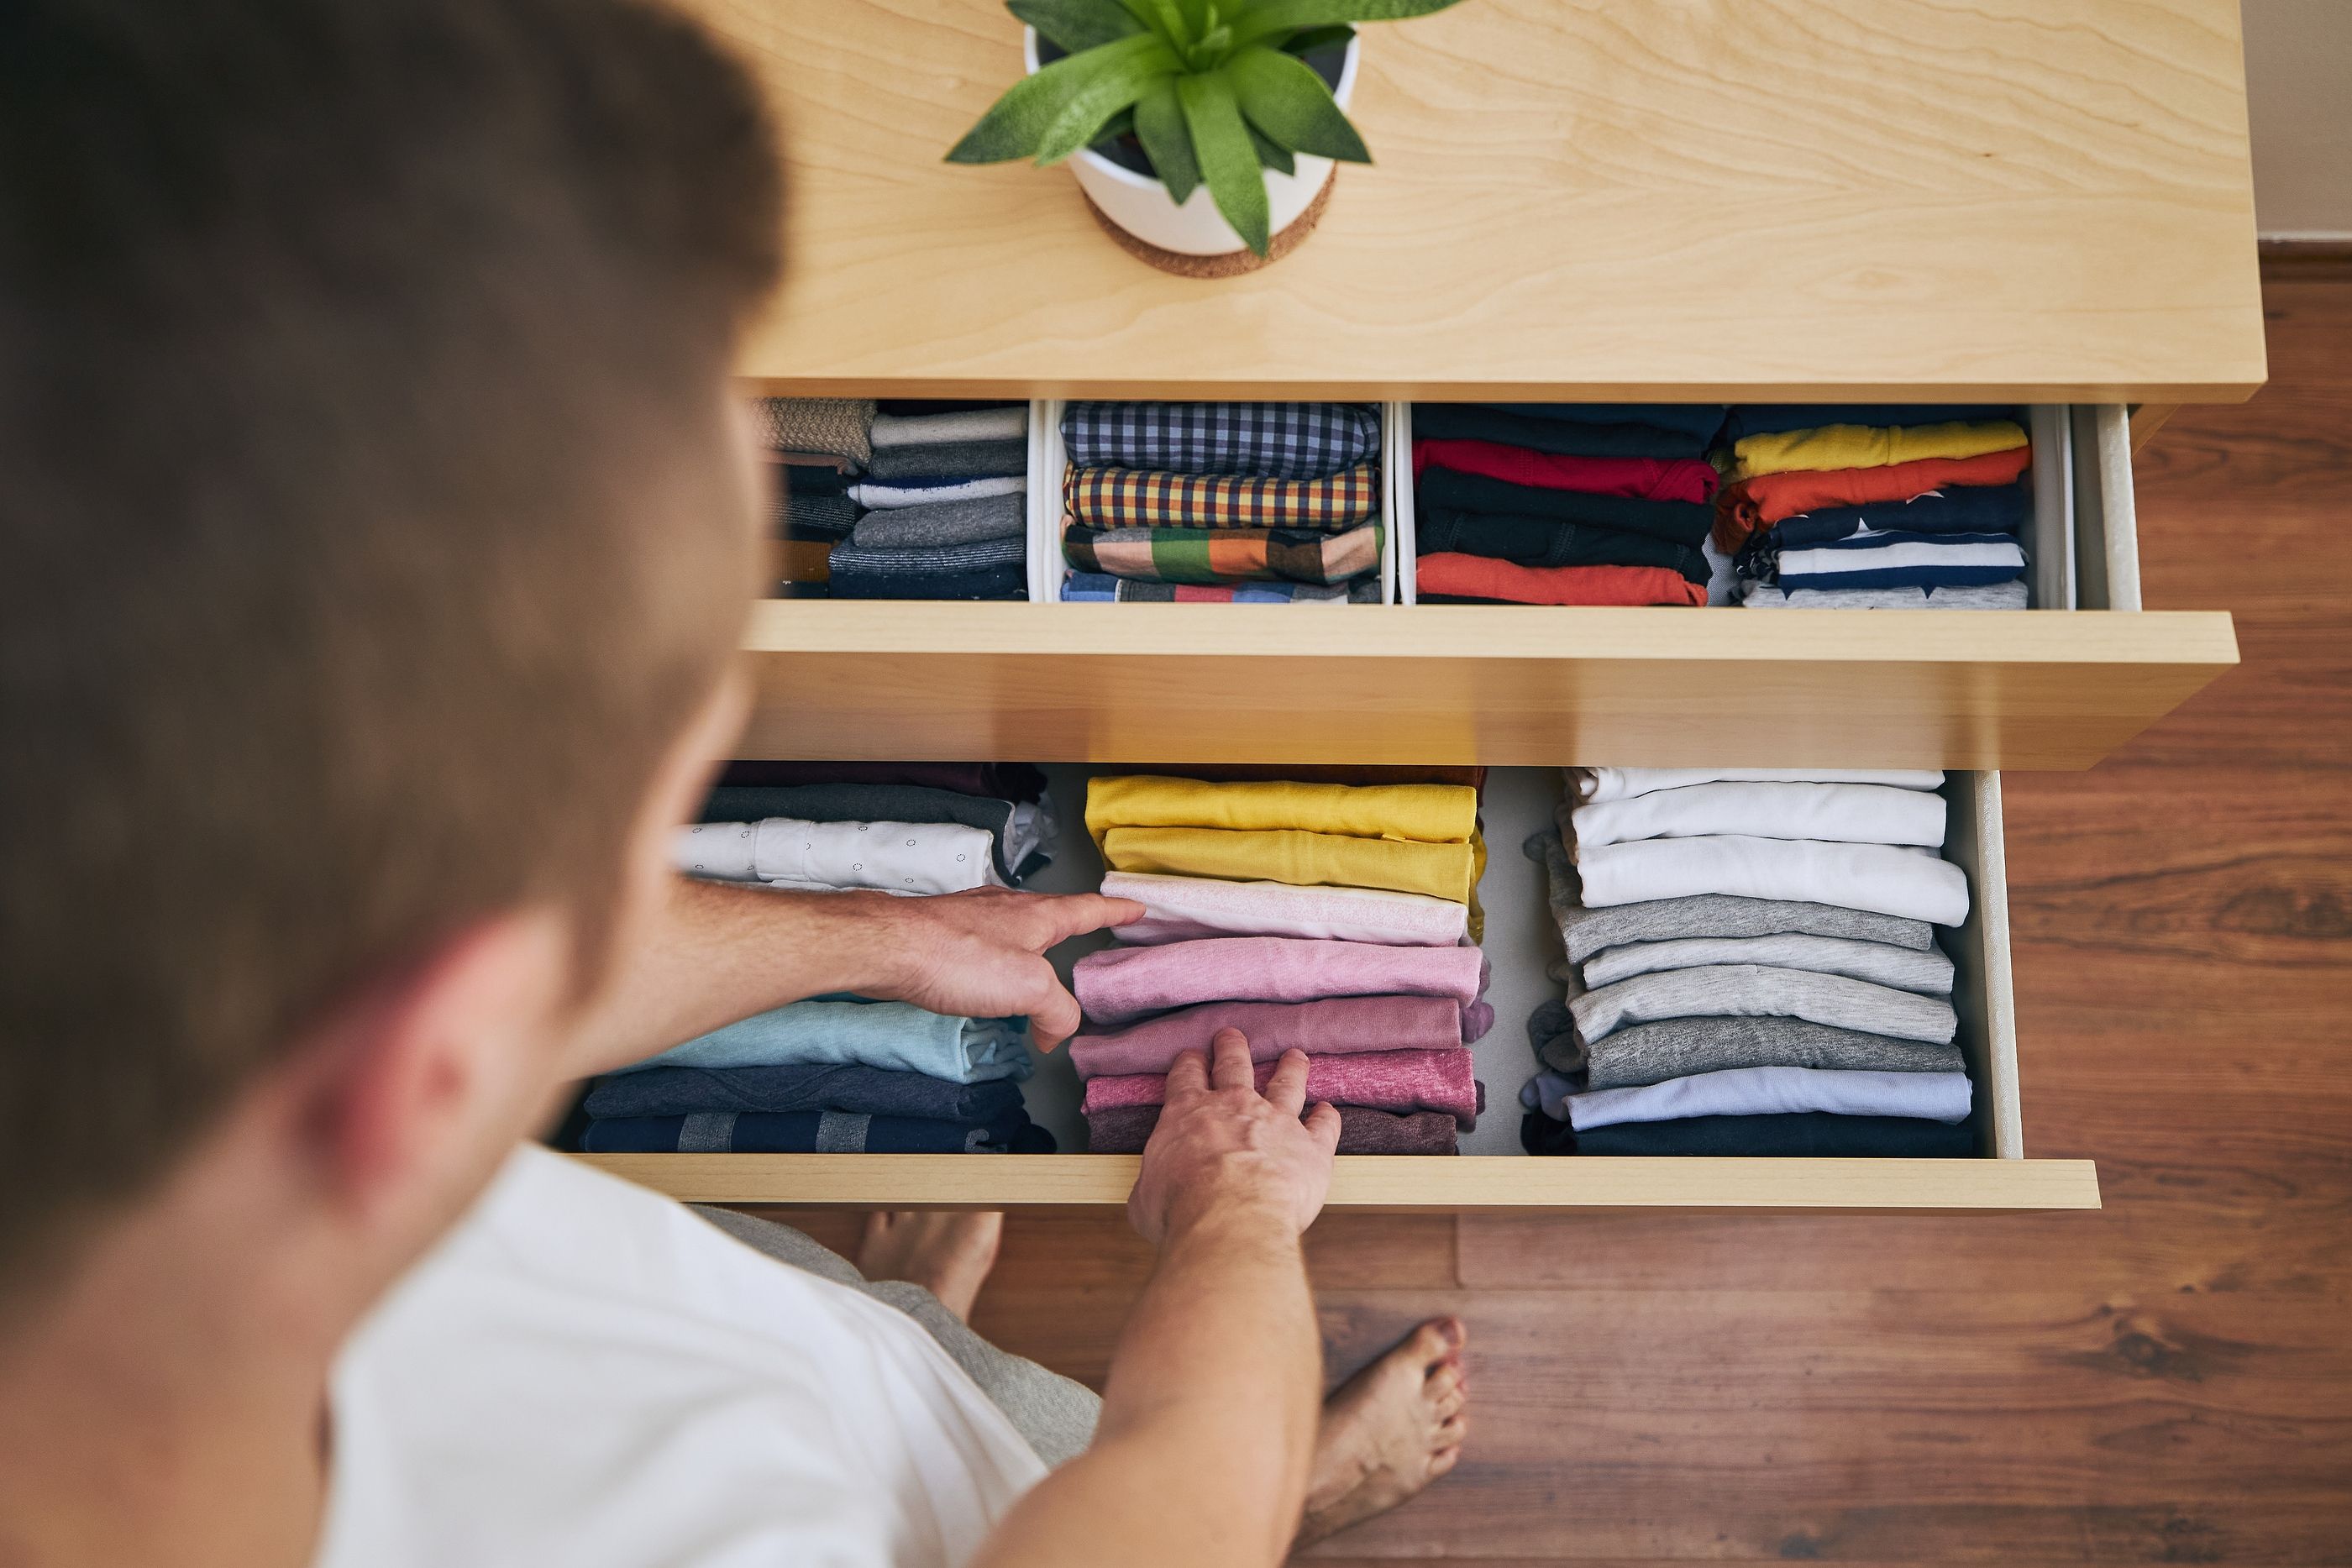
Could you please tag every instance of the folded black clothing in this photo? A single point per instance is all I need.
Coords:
(814, 519)
(1676, 522)
(1698, 421)
(800, 479)
(1017, 854)
(1006, 780)
(1803, 1134)
(816, 1086)
(989, 569)
(1772, 418)
(917, 407)
(1548, 542)
(1961, 509)
(812, 1132)
(1490, 422)
(949, 460)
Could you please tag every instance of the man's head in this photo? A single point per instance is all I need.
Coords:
(373, 529)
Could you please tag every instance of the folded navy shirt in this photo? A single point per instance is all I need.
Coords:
(1903, 560)
(1957, 509)
(812, 1132)
(1811, 1134)
(1686, 523)
(1699, 420)
(1492, 421)
(818, 1086)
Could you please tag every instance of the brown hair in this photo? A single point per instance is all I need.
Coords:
(366, 530)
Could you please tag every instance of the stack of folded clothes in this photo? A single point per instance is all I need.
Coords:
(817, 451)
(1236, 502)
(1751, 968)
(842, 1074)
(1562, 503)
(900, 499)
(1330, 918)
(1876, 508)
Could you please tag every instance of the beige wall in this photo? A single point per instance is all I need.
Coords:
(2299, 107)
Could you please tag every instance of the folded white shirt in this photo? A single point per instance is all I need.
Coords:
(1839, 813)
(875, 495)
(1184, 908)
(1887, 879)
(1618, 783)
(1775, 1091)
(897, 857)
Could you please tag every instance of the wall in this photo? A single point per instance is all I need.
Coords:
(2299, 105)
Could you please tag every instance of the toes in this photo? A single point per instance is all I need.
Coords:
(1450, 1404)
(1443, 1461)
(1451, 1431)
(1444, 1380)
(1436, 1341)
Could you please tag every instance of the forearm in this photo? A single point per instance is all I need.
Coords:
(1207, 1420)
(716, 953)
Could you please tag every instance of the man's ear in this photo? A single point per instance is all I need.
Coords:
(427, 1077)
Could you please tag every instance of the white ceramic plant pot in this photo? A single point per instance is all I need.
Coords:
(1141, 206)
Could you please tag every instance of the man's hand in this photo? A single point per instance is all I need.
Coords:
(981, 954)
(1221, 1146)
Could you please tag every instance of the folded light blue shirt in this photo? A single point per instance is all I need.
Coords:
(870, 1034)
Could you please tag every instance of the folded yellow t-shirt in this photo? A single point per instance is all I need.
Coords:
(1426, 813)
(1300, 859)
(1871, 446)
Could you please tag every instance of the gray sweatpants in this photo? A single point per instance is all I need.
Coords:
(1057, 1414)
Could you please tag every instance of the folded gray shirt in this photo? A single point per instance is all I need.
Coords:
(1585, 932)
(1677, 1048)
(943, 523)
(1881, 963)
(950, 460)
(1753, 990)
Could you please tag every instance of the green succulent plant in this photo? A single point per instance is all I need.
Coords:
(1214, 90)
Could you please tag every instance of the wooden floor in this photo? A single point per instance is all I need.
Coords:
(2167, 1381)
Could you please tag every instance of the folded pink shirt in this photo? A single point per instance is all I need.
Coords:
(1384, 1080)
(1643, 479)
(1120, 985)
(1335, 1026)
(1181, 908)
(1125, 1129)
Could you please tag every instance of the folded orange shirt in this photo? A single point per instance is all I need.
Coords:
(1479, 577)
(1760, 502)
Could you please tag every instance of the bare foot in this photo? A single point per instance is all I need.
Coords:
(948, 1254)
(1389, 1431)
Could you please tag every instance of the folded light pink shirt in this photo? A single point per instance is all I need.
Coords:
(1335, 1026)
(1383, 1079)
(1120, 985)
(1181, 908)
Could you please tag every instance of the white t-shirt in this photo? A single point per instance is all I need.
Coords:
(585, 1373)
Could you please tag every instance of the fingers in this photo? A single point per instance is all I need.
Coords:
(1229, 1061)
(1057, 917)
(1323, 1126)
(1053, 1014)
(1286, 1089)
(1188, 1077)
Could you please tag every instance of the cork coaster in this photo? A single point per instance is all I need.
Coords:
(1232, 264)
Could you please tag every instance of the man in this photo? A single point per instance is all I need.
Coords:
(377, 525)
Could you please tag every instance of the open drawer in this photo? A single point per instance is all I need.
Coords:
(1491, 1172)
(2054, 687)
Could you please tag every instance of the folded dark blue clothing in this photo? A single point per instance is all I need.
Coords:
(990, 569)
(1685, 523)
(1493, 422)
(1019, 831)
(1772, 418)
(917, 406)
(1903, 560)
(1961, 509)
(1548, 542)
(1698, 421)
(813, 1133)
(862, 1091)
(1811, 1134)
